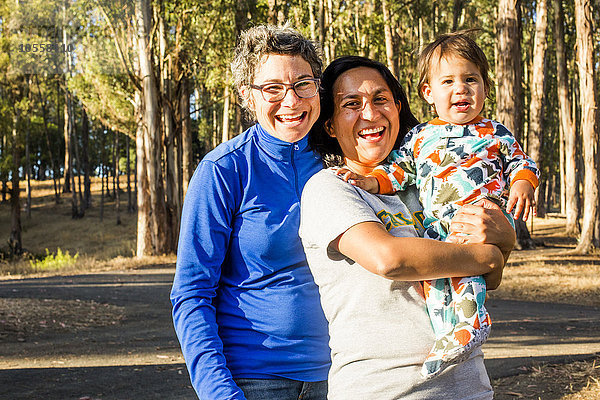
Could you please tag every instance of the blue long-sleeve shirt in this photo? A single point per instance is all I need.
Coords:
(244, 301)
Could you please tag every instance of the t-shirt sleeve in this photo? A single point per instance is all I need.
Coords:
(329, 207)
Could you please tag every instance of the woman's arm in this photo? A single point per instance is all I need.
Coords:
(408, 258)
(484, 222)
(203, 241)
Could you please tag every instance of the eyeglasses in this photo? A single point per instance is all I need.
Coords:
(274, 92)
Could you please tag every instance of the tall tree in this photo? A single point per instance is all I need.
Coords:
(587, 92)
(152, 180)
(509, 91)
(569, 133)
(536, 105)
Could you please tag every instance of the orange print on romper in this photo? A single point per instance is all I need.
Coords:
(472, 160)
(447, 173)
(486, 129)
(417, 147)
(463, 336)
(435, 157)
(472, 197)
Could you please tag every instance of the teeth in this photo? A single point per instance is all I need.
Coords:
(371, 131)
(289, 118)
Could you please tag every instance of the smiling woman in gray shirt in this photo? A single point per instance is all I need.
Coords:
(365, 254)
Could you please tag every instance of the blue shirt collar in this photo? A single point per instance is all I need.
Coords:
(277, 147)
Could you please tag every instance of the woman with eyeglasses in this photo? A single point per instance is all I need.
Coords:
(245, 307)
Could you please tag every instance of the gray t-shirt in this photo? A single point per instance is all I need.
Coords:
(379, 329)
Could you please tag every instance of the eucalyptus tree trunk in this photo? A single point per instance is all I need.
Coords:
(272, 12)
(47, 137)
(67, 136)
(117, 173)
(152, 193)
(130, 207)
(15, 242)
(567, 127)
(144, 225)
(587, 91)
(457, 9)
(536, 106)
(509, 106)
(68, 111)
(313, 20)
(85, 160)
(186, 137)
(168, 69)
(389, 39)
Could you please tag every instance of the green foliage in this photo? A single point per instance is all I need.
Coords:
(54, 261)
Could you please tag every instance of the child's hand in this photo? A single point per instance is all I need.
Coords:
(367, 183)
(522, 197)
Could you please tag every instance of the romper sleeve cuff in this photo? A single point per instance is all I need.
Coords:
(527, 175)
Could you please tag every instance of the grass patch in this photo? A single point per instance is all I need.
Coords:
(96, 241)
(54, 261)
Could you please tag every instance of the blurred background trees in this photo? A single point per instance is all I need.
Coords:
(141, 90)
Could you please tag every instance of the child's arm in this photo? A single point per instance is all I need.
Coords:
(522, 173)
(522, 198)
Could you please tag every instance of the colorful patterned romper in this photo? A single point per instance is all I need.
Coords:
(453, 165)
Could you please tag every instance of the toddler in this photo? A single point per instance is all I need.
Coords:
(455, 159)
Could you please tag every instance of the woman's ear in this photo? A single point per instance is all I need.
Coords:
(426, 90)
(246, 93)
(328, 128)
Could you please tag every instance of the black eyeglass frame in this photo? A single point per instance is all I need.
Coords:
(288, 86)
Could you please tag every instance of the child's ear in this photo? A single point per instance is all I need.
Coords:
(328, 128)
(426, 90)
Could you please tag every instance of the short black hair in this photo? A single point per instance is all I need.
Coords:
(327, 146)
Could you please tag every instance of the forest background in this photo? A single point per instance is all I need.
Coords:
(139, 91)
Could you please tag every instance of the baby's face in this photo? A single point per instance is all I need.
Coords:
(456, 89)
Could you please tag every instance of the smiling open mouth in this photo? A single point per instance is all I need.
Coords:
(462, 105)
(290, 118)
(371, 133)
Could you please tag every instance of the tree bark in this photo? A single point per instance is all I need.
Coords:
(47, 137)
(169, 69)
(153, 194)
(456, 13)
(509, 108)
(536, 106)
(67, 135)
(567, 128)
(85, 161)
(186, 136)
(587, 89)
(389, 39)
(118, 188)
(15, 242)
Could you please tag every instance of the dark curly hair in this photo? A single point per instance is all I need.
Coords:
(325, 145)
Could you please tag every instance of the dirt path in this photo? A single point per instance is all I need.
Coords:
(103, 336)
(109, 336)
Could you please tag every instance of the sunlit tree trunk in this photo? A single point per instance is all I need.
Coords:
(152, 191)
(15, 242)
(85, 161)
(186, 137)
(509, 108)
(587, 89)
(389, 39)
(567, 127)
(169, 129)
(536, 106)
